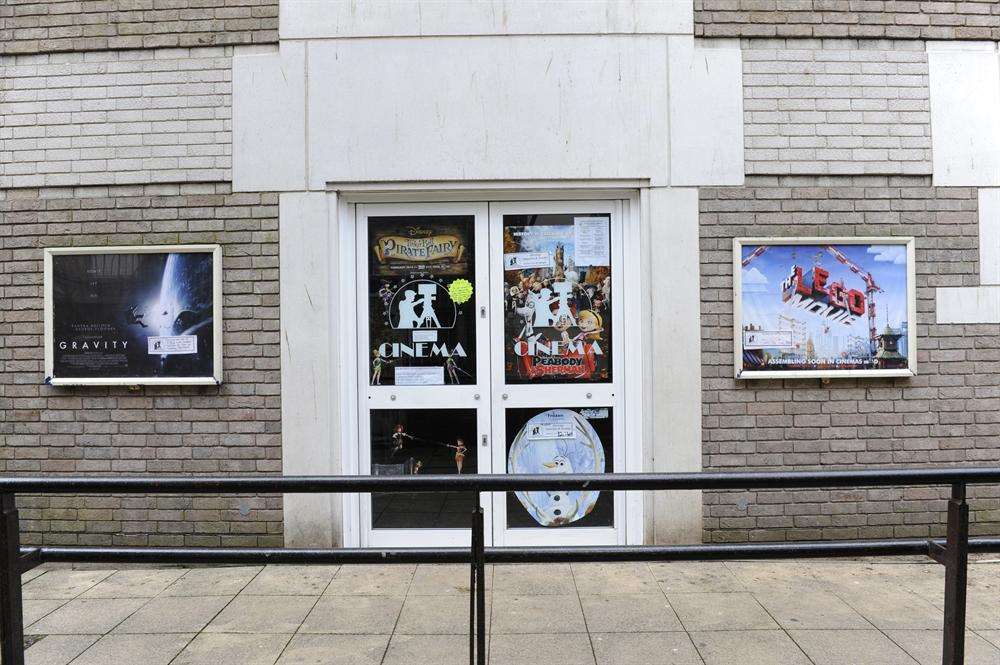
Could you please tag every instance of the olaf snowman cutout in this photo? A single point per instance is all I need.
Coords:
(561, 507)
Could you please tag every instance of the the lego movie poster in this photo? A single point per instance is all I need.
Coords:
(557, 291)
(824, 307)
(421, 301)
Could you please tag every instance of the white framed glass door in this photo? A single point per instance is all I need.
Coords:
(557, 359)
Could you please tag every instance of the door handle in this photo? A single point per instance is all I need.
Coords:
(484, 441)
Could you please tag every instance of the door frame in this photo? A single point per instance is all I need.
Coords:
(344, 199)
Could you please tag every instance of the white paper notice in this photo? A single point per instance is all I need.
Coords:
(525, 260)
(551, 431)
(591, 241)
(767, 339)
(420, 376)
(425, 336)
(172, 345)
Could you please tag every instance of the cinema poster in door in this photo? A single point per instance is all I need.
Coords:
(824, 307)
(557, 292)
(133, 315)
(421, 300)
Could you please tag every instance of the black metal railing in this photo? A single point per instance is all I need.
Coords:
(952, 552)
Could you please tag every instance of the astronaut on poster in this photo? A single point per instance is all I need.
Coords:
(557, 292)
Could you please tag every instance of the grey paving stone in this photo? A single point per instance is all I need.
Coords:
(87, 616)
(601, 578)
(695, 577)
(291, 581)
(35, 609)
(534, 579)
(335, 650)
(991, 636)
(748, 647)
(629, 613)
(561, 649)
(356, 615)
(720, 611)
(644, 649)
(63, 583)
(138, 583)
(57, 649)
(387, 580)
(888, 607)
(440, 580)
(427, 650)
(816, 609)
(537, 614)
(174, 614)
(262, 614)
(857, 647)
(773, 575)
(137, 649)
(925, 646)
(221, 649)
(437, 615)
(983, 609)
(217, 581)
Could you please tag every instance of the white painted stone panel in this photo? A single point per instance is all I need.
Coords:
(269, 110)
(308, 350)
(989, 236)
(971, 304)
(965, 114)
(487, 108)
(706, 112)
(301, 19)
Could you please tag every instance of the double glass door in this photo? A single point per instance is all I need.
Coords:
(490, 340)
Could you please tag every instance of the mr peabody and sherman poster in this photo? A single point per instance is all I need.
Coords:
(133, 315)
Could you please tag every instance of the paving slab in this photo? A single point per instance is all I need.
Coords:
(174, 614)
(771, 575)
(138, 583)
(64, 583)
(857, 647)
(219, 581)
(982, 609)
(437, 615)
(355, 615)
(291, 581)
(134, 649)
(86, 616)
(607, 578)
(887, 607)
(695, 577)
(991, 636)
(748, 647)
(387, 580)
(222, 649)
(629, 613)
(540, 650)
(925, 646)
(262, 614)
(537, 614)
(534, 579)
(720, 611)
(427, 649)
(644, 649)
(33, 610)
(57, 649)
(439, 580)
(816, 610)
(335, 650)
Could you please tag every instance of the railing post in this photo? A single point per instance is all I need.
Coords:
(956, 563)
(472, 581)
(480, 562)
(11, 612)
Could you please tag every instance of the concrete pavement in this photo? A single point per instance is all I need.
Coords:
(746, 613)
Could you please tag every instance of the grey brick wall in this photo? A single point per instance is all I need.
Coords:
(864, 19)
(836, 107)
(948, 414)
(116, 117)
(47, 26)
(232, 428)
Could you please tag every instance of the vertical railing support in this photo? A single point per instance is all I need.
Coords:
(11, 612)
(956, 567)
(472, 581)
(479, 556)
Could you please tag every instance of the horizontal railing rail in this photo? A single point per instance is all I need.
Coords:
(952, 551)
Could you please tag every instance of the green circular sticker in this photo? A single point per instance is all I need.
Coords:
(460, 290)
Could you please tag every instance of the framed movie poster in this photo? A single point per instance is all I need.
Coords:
(133, 315)
(824, 307)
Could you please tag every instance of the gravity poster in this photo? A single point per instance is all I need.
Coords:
(824, 307)
(557, 293)
(421, 301)
(133, 315)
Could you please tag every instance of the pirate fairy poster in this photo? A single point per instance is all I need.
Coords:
(557, 292)
(421, 273)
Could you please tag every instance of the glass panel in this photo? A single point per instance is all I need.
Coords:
(410, 441)
(421, 310)
(577, 440)
(557, 298)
